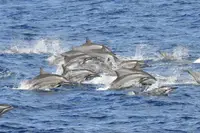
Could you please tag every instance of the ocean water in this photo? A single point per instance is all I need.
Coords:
(32, 31)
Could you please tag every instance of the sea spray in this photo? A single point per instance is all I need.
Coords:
(180, 52)
(47, 46)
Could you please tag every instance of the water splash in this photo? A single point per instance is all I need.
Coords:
(178, 53)
(48, 46)
(103, 79)
(139, 54)
(5, 74)
(142, 52)
(197, 61)
(24, 85)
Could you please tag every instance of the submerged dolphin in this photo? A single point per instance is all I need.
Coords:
(4, 108)
(76, 58)
(97, 66)
(132, 64)
(127, 78)
(106, 57)
(160, 91)
(195, 75)
(47, 81)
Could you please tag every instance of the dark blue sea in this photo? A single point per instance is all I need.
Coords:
(31, 31)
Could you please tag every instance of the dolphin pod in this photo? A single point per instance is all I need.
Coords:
(90, 60)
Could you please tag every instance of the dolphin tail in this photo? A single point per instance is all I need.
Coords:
(42, 71)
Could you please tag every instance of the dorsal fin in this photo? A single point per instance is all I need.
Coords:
(104, 49)
(122, 72)
(137, 66)
(119, 74)
(42, 71)
(66, 59)
(88, 41)
(65, 70)
(195, 75)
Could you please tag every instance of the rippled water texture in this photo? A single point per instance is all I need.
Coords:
(32, 31)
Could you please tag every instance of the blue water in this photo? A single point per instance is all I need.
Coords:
(125, 27)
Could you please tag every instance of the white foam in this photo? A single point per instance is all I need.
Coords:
(197, 61)
(103, 79)
(180, 52)
(5, 75)
(139, 54)
(59, 69)
(48, 46)
(24, 85)
(103, 88)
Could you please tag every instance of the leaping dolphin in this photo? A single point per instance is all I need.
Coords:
(4, 108)
(88, 46)
(78, 75)
(126, 79)
(47, 81)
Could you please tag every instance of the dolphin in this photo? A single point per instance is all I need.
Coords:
(76, 58)
(160, 91)
(88, 46)
(75, 61)
(71, 53)
(47, 81)
(56, 59)
(97, 66)
(78, 75)
(195, 75)
(130, 78)
(132, 64)
(4, 108)
(106, 57)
